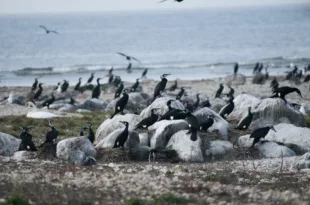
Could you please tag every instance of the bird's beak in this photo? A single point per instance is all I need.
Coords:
(274, 129)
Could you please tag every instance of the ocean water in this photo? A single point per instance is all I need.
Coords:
(189, 44)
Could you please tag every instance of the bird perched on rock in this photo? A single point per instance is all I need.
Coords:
(180, 94)
(49, 101)
(236, 68)
(50, 135)
(196, 104)
(122, 137)
(96, 91)
(64, 86)
(121, 104)
(35, 84)
(135, 86)
(172, 113)
(91, 134)
(90, 79)
(227, 109)
(207, 124)
(119, 90)
(78, 85)
(144, 73)
(193, 125)
(39, 92)
(260, 133)
(219, 91)
(145, 123)
(82, 130)
(26, 143)
(245, 121)
(160, 87)
(174, 86)
(281, 92)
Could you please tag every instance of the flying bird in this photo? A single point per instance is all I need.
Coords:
(167, 0)
(129, 57)
(47, 30)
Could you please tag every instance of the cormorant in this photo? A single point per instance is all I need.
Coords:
(129, 57)
(129, 67)
(174, 86)
(121, 103)
(245, 121)
(299, 74)
(260, 133)
(96, 91)
(119, 90)
(274, 84)
(206, 103)
(261, 66)
(193, 125)
(307, 78)
(145, 123)
(117, 80)
(167, 0)
(144, 73)
(122, 137)
(58, 84)
(219, 91)
(39, 92)
(47, 30)
(180, 94)
(64, 86)
(236, 69)
(173, 114)
(50, 135)
(26, 143)
(110, 81)
(82, 130)
(90, 79)
(78, 85)
(49, 101)
(135, 86)
(281, 92)
(160, 87)
(256, 68)
(227, 109)
(35, 84)
(207, 124)
(231, 92)
(91, 134)
(196, 104)
(111, 71)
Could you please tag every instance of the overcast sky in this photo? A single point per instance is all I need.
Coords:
(34, 6)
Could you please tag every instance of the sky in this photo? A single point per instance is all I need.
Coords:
(48, 6)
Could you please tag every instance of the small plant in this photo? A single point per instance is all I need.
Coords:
(134, 201)
(15, 200)
(171, 199)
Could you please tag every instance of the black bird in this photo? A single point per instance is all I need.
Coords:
(299, 74)
(173, 114)
(90, 79)
(129, 57)
(281, 92)
(78, 85)
(49, 101)
(145, 123)
(231, 92)
(207, 124)
(256, 67)
(292, 73)
(196, 104)
(180, 94)
(121, 104)
(122, 137)
(267, 73)
(47, 30)
(245, 121)
(129, 67)
(236, 69)
(96, 91)
(91, 134)
(144, 73)
(260, 133)
(64, 86)
(261, 66)
(307, 78)
(117, 80)
(167, 0)
(39, 92)
(82, 130)
(135, 86)
(274, 84)
(58, 84)
(50, 135)
(219, 91)
(111, 71)
(193, 125)
(110, 81)
(72, 101)
(35, 84)
(119, 90)
(174, 86)
(206, 103)
(26, 143)
(227, 109)
(169, 104)
(160, 87)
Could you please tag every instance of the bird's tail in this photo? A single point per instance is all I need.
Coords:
(194, 134)
(112, 116)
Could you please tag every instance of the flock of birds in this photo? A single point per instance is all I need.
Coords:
(121, 94)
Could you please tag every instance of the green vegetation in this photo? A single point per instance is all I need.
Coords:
(308, 120)
(135, 201)
(16, 200)
(171, 199)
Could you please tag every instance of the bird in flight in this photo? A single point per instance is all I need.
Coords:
(129, 57)
(174, 0)
(48, 31)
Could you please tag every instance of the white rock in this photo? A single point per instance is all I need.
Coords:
(8, 144)
(219, 123)
(219, 147)
(41, 115)
(242, 102)
(161, 103)
(76, 150)
(188, 150)
(108, 142)
(109, 125)
(162, 131)
(304, 162)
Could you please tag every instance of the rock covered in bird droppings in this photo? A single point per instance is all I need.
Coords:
(109, 141)
(188, 150)
(242, 103)
(8, 144)
(93, 104)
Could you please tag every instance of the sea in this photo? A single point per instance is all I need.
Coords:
(188, 44)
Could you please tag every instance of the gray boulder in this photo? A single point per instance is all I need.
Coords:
(8, 144)
(304, 162)
(242, 102)
(274, 111)
(162, 131)
(93, 105)
(161, 103)
(238, 79)
(76, 150)
(219, 124)
(109, 125)
(188, 150)
(217, 104)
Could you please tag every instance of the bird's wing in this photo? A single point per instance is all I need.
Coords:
(135, 59)
(162, 1)
(122, 54)
(43, 27)
(54, 32)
